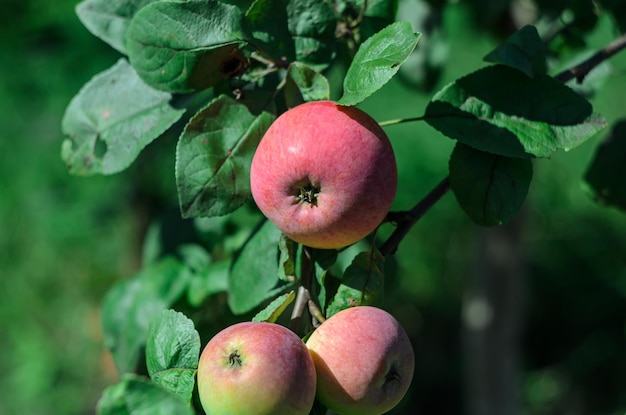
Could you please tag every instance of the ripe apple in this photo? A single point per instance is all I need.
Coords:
(324, 174)
(255, 368)
(364, 361)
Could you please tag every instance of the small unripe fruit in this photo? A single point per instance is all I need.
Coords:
(256, 369)
(364, 361)
(324, 174)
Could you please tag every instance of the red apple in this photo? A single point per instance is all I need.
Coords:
(256, 369)
(324, 174)
(364, 361)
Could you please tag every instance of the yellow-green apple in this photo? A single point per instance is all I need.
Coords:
(254, 368)
(324, 174)
(364, 361)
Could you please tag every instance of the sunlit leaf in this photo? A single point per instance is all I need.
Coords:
(213, 157)
(377, 61)
(274, 309)
(186, 46)
(109, 19)
(172, 353)
(304, 84)
(361, 284)
(111, 119)
(502, 111)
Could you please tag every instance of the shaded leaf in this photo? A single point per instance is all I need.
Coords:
(130, 304)
(274, 309)
(377, 61)
(500, 110)
(172, 353)
(113, 117)
(312, 26)
(605, 175)
(268, 22)
(304, 84)
(207, 282)
(254, 274)
(186, 46)
(109, 19)
(491, 189)
(213, 157)
(524, 51)
(135, 395)
(362, 283)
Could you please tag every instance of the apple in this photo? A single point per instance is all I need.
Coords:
(254, 368)
(364, 361)
(324, 174)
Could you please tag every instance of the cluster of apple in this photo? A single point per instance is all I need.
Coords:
(358, 362)
(325, 175)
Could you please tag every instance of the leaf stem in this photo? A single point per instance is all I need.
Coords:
(401, 121)
(406, 220)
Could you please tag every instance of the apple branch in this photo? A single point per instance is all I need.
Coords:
(406, 220)
(580, 71)
(303, 296)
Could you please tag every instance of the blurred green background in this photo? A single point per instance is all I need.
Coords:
(64, 240)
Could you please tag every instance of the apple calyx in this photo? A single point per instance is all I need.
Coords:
(392, 376)
(234, 359)
(307, 193)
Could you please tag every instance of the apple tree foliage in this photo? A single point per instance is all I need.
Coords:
(216, 74)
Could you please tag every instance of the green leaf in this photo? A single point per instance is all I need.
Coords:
(327, 285)
(377, 61)
(287, 262)
(362, 283)
(267, 20)
(605, 175)
(208, 281)
(186, 46)
(524, 51)
(254, 274)
(213, 158)
(491, 189)
(312, 26)
(172, 353)
(109, 19)
(111, 119)
(500, 110)
(135, 395)
(130, 304)
(274, 309)
(304, 84)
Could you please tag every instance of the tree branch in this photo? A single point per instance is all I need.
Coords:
(408, 219)
(580, 71)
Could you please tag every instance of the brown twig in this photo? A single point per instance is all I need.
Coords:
(580, 71)
(412, 216)
(406, 220)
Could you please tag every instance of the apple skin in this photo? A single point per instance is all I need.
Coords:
(336, 155)
(255, 368)
(364, 361)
